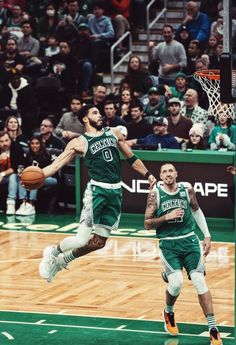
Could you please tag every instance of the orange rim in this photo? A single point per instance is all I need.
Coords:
(213, 74)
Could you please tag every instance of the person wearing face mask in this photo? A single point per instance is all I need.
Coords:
(47, 25)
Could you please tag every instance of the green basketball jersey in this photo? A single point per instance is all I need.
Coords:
(102, 157)
(169, 202)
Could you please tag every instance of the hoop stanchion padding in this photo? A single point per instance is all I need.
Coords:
(210, 83)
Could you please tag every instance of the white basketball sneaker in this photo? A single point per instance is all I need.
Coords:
(50, 265)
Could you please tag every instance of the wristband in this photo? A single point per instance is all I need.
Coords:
(131, 160)
(148, 173)
(3, 173)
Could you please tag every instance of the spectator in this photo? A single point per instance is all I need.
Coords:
(197, 23)
(82, 49)
(111, 119)
(160, 136)
(217, 25)
(64, 66)
(11, 155)
(52, 47)
(209, 7)
(170, 55)
(102, 33)
(74, 17)
(85, 7)
(215, 58)
(183, 37)
(119, 11)
(13, 24)
(28, 46)
(138, 127)
(11, 57)
(13, 128)
(36, 8)
(4, 14)
(156, 104)
(178, 125)
(136, 76)
(192, 110)
(48, 138)
(99, 97)
(11, 3)
(62, 8)
(223, 135)
(47, 24)
(196, 140)
(100, 26)
(194, 53)
(19, 95)
(211, 45)
(39, 156)
(124, 105)
(180, 87)
(201, 63)
(69, 126)
(26, 17)
(66, 30)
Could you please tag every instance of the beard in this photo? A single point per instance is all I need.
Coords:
(95, 125)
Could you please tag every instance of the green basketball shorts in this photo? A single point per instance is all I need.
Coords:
(182, 253)
(103, 206)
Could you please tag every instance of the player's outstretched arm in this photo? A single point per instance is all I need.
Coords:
(200, 220)
(75, 146)
(132, 160)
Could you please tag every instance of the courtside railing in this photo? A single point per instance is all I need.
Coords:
(124, 57)
(153, 22)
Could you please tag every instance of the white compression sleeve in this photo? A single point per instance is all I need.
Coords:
(78, 241)
(201, 222)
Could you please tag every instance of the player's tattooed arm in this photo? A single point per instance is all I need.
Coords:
(151, 208)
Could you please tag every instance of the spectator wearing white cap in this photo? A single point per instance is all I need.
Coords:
(178, 125)
(160, 136)
(196, 140)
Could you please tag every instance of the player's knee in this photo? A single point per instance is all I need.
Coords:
(175, 283)
(199, 282)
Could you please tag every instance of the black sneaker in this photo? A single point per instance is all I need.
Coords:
(170, 325)
(215, 337)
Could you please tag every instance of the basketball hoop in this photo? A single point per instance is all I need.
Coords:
(210, 83)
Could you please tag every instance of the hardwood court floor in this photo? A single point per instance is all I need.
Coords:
(120, 281)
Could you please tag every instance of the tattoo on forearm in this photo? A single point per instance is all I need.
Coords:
(151, 205)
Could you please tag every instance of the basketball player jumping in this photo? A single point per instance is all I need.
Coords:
(172, 209)
(102, 198)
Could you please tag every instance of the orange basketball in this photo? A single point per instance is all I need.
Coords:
(32, 177)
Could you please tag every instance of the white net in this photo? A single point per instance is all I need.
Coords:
(210, 83)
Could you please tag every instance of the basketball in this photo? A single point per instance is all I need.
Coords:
(32, 177)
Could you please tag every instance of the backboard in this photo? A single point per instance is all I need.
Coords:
(227, 76)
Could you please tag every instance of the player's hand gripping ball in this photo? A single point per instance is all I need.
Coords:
(32, 177)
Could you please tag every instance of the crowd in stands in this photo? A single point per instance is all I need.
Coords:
(52, 56)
